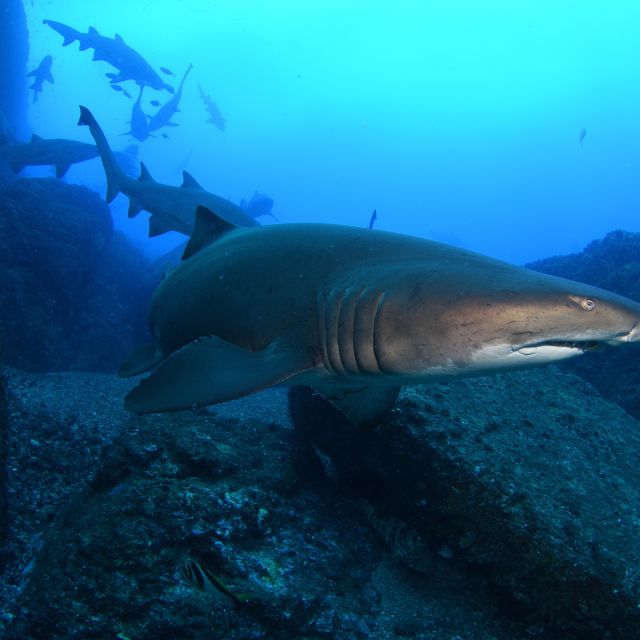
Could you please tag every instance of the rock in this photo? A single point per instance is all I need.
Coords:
(108, 507)
(612, 263)
(74, 293)
(530, 477)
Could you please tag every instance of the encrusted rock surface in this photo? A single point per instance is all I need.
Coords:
(73, 292)
(106, 507)
(530, 477)
(612, 263)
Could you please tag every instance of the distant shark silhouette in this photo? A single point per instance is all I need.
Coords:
(213, 111)
(162, 118)
(171, 208)
(139, 124)
(130, 64)
(259, 205)
(59, 152)
(41, 73)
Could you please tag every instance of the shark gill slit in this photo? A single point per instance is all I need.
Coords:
(331, 314)
(368, 305)
(346, 331)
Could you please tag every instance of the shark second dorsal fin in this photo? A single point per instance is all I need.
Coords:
(208, 227)
(93, 31)
(119, 39)
(189, 182)
(36, 138)
(144, 173)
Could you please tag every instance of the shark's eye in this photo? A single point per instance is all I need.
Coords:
(588, 304)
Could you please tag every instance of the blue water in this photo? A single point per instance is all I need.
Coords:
(458, 121)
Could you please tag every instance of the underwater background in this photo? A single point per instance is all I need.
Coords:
(496, 508)
(458, 121)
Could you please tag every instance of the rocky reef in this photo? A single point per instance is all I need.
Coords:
(74, 292)
(109, 508)
(495, 508)
(612, 263)
(14, 53)
(521, 493)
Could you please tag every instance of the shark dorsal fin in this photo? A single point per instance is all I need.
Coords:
(36, 138)
(208, 227)
(93, 31)
(119, 39)
(189, 182)
(144, 174)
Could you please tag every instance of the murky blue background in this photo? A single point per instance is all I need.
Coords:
(457, 121)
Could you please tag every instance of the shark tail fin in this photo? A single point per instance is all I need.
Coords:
(68, 33)
(115, 176)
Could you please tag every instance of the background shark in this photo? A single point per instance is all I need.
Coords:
(130, 64)
(215, 117)
(59, 152)
(162, 118)
(139, 125)
(41, 73)
(260, 204)
(171, 208)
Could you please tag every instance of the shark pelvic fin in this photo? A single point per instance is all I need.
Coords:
(134, 208)
(208, 227)
(61, 169)
(363, 407)
(157, 226)
(141, 359)
(210, 370)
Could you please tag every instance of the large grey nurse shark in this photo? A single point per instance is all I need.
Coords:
(354, 313)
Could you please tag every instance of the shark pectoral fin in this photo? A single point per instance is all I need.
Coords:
(210, 370)
(364, 407)
(61, 169)
(141, 359)
(49, 77)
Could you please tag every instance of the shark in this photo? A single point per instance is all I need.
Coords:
(355, 313)
(171, 208)
(260, 204)
(215, 117)
(129, 63)
(162, 118)
(52, 151)
(41, 73)
(139, 124)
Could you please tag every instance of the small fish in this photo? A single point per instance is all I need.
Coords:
(203, 580)
(155, 103)
(127, 94)
(583, 133)
(374, 217)
(116, 87)
(167, 71)
(404, 542)
(165, 136)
